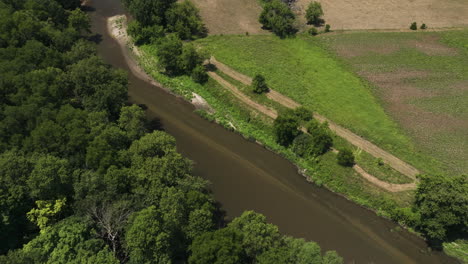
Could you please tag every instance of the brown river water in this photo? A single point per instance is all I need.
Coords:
(245, 176)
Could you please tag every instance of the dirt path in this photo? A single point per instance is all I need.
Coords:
(273, 114)
(354, 139)
(244, 98)
(117, 30)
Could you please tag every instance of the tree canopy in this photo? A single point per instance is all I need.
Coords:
(277, 17)
(442, 203)
(83, 177)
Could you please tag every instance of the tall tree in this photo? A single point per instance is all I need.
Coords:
(442, 202)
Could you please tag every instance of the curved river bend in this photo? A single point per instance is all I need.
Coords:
(245, 176)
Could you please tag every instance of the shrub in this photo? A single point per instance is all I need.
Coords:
(199, 74)
(313, 13)
(303, 114)
(327, 28)
(322, 140)
(302, 145)
(380, 162)
(313, 31)
(414, 26)
(258, 84)
(423, 26)
(277, 17)
(285, 127)
(189, 59)
(144, 35)
(345, 158)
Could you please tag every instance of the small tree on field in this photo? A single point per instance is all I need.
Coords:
(277, 17)
(314, 13)
(258, 84)
(345, 158)
(423, 26)
(327, 28)
(414, 26)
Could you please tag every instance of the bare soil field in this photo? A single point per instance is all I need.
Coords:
(230, 16)
(389, 14)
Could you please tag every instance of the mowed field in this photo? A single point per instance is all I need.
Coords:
(304, 71)
(389, 14)
(422, 80)
(241, 16)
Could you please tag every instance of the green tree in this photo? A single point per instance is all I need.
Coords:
(149, 12)
(189, 59)
(345, 158)
(79, 21)
(285, 127)
(257, 235)
(414, 26)
(302, 145)
(146, 240)
(303, 114)
(132, 120)
(258, 84)
(14, 198)
(314, 13)
(220, 247)
(277, 17)
(200, 222)
(46, 213)
(69, 241)
(184, 19)
(168, 52)
(50, 179)
(144, 35)
(199, 74)
(322, 140)
(442, 202)
(155, 144)
(331, 257)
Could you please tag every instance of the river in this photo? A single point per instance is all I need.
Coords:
(245, 176)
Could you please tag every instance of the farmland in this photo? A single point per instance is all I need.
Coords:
(421, 80)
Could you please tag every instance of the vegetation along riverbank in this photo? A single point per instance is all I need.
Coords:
(308, 72)
(85, 177)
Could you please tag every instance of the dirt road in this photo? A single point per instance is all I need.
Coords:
(354, 139)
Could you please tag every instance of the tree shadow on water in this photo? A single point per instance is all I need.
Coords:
(96, 38)
(154, 124)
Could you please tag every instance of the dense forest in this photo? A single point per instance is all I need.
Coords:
(84, 177)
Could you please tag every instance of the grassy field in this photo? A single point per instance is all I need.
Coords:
(422, 81)
(303, 70)
(253, 126)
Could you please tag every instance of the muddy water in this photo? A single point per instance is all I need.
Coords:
(245, 176)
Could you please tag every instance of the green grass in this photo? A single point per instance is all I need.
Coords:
(441, 59)
(324, 171)
(457, 249)
(372, 165)
(309, 74)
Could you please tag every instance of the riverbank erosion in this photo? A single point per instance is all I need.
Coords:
(246, 176)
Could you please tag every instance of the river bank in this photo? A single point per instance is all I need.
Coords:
(245, 176)
(358, 190)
